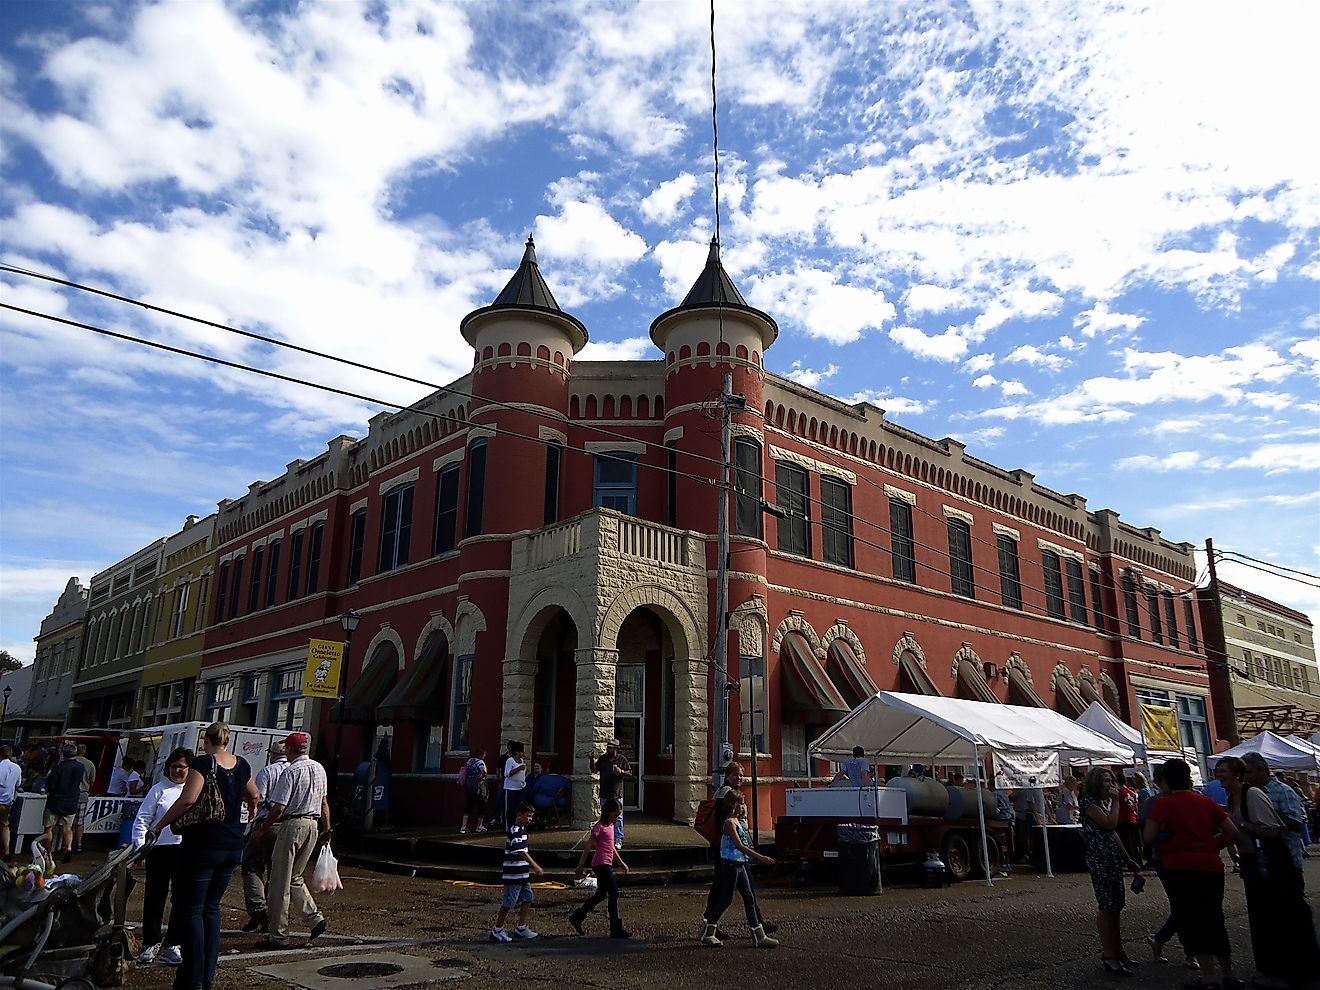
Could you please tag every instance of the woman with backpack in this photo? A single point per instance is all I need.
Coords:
(472, 778)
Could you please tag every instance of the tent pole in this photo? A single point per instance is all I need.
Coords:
(980, 814)
(1045, 825)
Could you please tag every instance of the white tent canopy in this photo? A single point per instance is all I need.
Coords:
(1280, 752)
(1099, 719)
(926, 728)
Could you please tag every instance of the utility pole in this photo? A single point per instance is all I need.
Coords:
(1220, 644)
(719, 743)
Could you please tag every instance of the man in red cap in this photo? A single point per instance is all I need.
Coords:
(300, 812)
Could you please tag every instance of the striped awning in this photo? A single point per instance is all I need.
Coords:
(846, 669)
(969, 675)
(365, 694)
(808, 694)
(421, 695)
(914, 675)
(1021, 691)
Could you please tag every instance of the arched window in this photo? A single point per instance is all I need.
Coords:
(747, 484)
(476, 487)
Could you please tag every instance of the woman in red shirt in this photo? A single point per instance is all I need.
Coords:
(1189, 829)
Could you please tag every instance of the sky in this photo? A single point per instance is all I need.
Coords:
(1080, 237)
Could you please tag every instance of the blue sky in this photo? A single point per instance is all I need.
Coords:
(1082, 238)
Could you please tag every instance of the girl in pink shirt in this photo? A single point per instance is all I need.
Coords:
(603, 856)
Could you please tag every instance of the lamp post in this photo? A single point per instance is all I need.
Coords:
(349, 620)
(4, 711)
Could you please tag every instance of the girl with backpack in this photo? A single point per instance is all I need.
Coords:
(473, 778)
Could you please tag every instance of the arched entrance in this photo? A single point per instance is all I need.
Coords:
(644, 711)
(540, 688)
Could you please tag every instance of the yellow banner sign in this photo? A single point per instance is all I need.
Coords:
(325, 657)
(1159, 726)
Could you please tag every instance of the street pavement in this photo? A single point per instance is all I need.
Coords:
(1028, 932)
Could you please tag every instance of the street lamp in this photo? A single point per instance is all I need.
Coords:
(349, 620)
(4, 711)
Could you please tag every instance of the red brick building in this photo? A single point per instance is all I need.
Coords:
(532, 552)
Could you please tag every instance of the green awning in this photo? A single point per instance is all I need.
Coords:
(969, 675)
(420, 696)
(808, 694)
(1020, 690)
(366, 693)
(915, 677)
(848, 673)
(1067, 693)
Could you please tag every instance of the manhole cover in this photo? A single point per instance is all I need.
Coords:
(359, 970)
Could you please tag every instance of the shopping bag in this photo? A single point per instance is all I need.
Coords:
(325, 875)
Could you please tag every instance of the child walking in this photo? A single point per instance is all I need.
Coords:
(735, 854)
(518, 867)
(603, 854)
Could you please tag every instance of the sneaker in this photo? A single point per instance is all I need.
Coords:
(148, 955)
(500, 935)
(171, 956)
(482, 828)
(463, 830)
(522, 931)
(1156, 948)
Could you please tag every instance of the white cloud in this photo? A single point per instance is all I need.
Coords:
(668, 199)
(631, 349)
(947, 346)
(928, 298)
(978, 362)
(809, 377)
(822, 305)
(1180, 460)
(893, 405)
(1098, 319)
(1281, 458)
(1011, 388)
(1032, 355)
(984, 381)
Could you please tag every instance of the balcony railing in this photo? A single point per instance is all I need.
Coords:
(638, 538)
(603, 530)
(554, 543)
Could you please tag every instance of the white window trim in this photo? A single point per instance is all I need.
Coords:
(408, 477)
(898, 493)
(356, 506)
(444, 460)
(955, 513)
(477, 430)
(546, 433)
(675, 434)
(610, 446)
(1061, 551)
(1008, 531)
(811, 464)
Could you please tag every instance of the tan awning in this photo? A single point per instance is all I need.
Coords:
(848, 673)
(1068, 694)
(1091, 692)
(914, 675)
(969, 675)
(809, 695)
(366, 693)
(420, 695)
(1021, 691)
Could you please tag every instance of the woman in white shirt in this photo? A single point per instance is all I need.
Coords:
(161, 859)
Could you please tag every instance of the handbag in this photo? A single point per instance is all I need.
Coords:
(209, 807)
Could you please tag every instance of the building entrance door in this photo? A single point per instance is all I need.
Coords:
(630, 725)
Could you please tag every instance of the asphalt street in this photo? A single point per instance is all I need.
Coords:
(1029, 932)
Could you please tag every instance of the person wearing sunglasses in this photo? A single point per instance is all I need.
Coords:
(161, 859)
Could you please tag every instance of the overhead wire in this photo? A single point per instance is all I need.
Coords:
(1227, 554)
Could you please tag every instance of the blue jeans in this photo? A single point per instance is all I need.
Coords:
(618, 831)
(199, 886)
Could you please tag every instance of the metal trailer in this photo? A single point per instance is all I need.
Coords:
(808, 831)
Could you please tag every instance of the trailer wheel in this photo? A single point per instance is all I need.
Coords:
(995, 857)
(77, 983)
(957, 857)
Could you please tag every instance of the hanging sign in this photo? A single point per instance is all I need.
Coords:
(324, 659)
(1159, 728)
(1034, 768)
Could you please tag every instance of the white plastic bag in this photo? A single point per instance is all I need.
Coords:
(325, 875)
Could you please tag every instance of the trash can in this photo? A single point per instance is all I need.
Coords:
(859, 859)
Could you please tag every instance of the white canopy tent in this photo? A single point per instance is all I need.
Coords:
(927, 728)
(1099, 719)
(1280, 752)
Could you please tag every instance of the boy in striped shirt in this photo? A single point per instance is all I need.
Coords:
(518, 868)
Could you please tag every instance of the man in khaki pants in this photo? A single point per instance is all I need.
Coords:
(300, 814)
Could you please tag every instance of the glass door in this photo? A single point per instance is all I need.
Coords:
(629, 726)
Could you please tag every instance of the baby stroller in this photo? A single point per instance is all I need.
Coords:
(57, 936)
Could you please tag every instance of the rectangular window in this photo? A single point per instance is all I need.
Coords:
(836, 518)
(747, 487)
(791, 496)
(1053, 583)
(462, 705)
(254, 581)
(793, 738)
(1010, 581)
(219, 701)
(251, 683)
(1097, 610)
(286, 701)
(476, 488)
(199, 609)
(902, 546)
(1171, 619)
(1130, 606)
(553, 455)
(178, 609)
(272, 571)
(235, 584)
(314, 557)
(430, 749)
(1076, 591)
(960, 558)
(446, 510)
(616, 482)
(752, 705)
(357, 538)
(671, 477)
(395, 529)
(1189, 618)
(295, 565)
(1153, 607)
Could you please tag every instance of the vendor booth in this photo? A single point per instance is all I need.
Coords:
(1099, 719)
(927, 729)
(1280, 752)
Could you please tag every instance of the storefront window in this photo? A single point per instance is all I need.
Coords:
(287, 703)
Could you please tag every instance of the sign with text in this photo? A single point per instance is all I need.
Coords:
(325, 657)
(1159, 727)
(1039, 768)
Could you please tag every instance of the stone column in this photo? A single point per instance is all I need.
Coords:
(518, 700)
(691, 735)
(594, 725)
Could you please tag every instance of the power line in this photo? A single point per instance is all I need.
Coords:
(1266, 563)
(1263, 570)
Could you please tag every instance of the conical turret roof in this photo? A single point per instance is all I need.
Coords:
(714, 289)
(526, 290)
